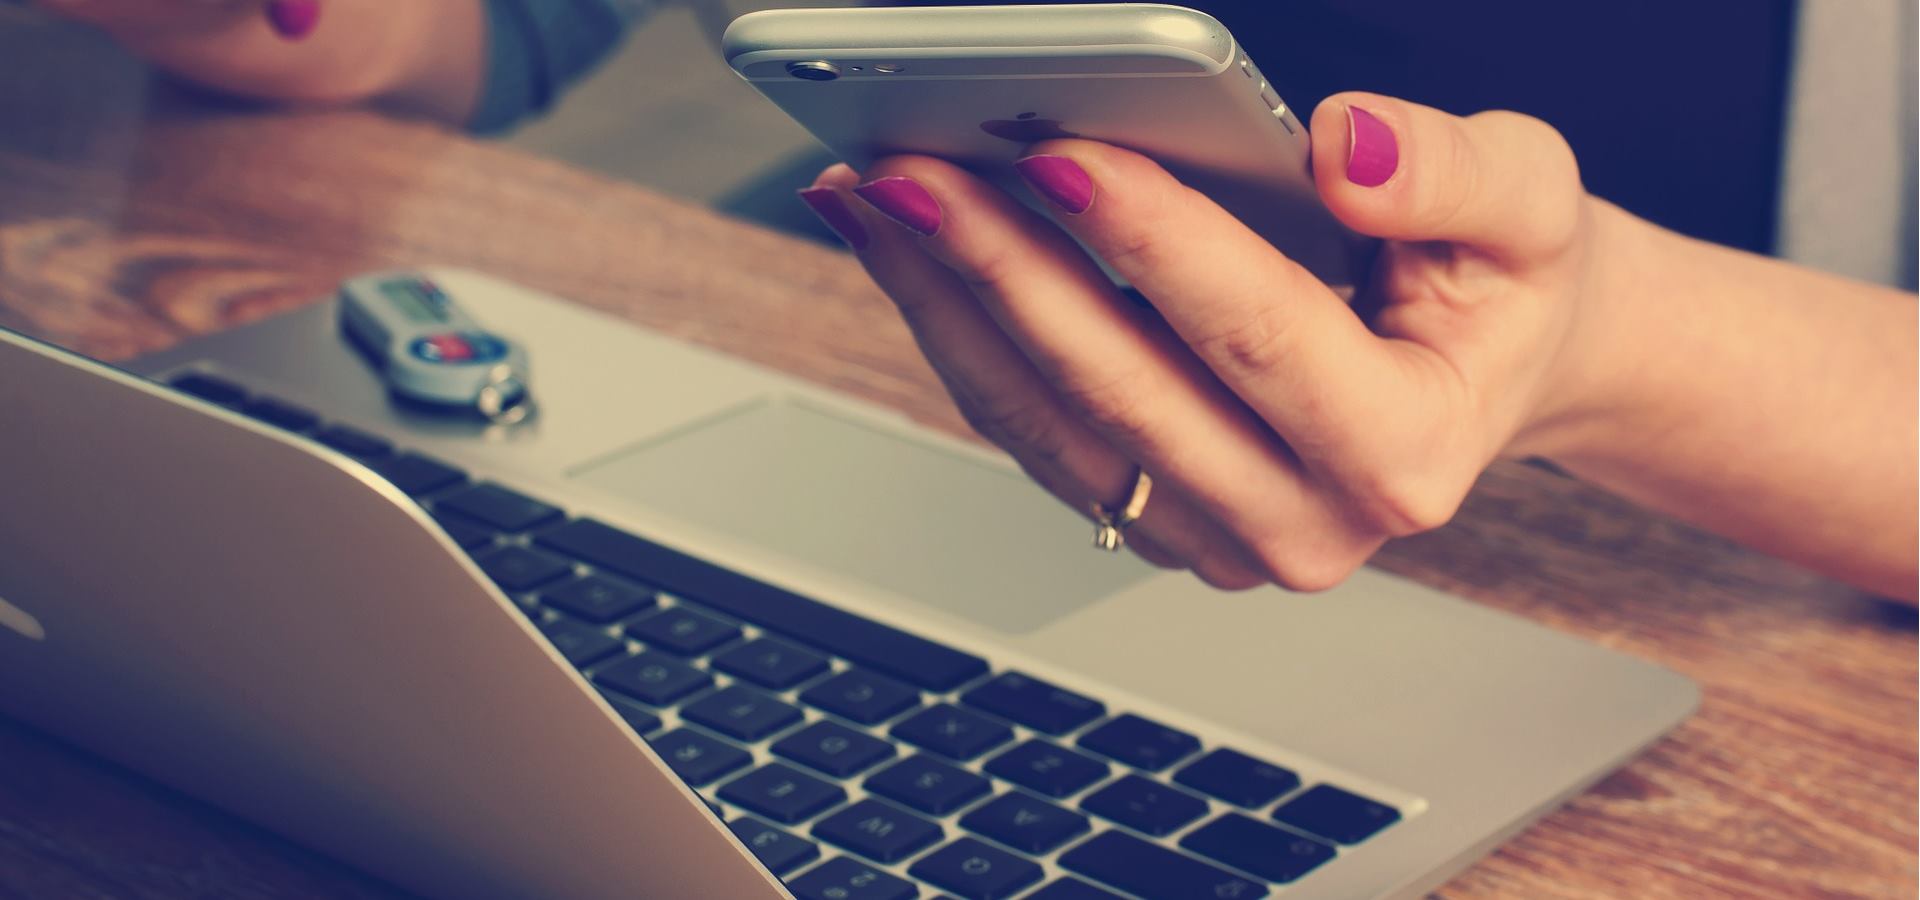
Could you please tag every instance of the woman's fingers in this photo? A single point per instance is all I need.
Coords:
(1118, 368)
(1503, 183)
(1004, 398)
(1345, 400)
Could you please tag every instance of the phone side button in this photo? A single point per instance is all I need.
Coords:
(1286, 120)
(1272, 97)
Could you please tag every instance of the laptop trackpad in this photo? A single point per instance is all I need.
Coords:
(911, 518)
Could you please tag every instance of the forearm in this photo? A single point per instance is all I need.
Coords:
(423, 56)
(1767, 402)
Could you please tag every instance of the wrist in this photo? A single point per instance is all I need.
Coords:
(1601, 390)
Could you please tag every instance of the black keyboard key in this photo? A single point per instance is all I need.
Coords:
(834, 748)
(843, 878)
(863, 641)
(1034, 703)
(652, 678)
(976, 871)
(416, 475)
(864, 697)
(520, 569)
(741, 713)
(697, 758)
(772, 664)
(281, 414)
(1254, 846)
(1073, 889)
(582, 645)
(1025, 824)
(464, 534)
(597, 599)
(681, 630)
(640, 719)
(878, 831)
(1047, 769)
(218, 391)
(1145, 805)
(952, 732)
(355, 443)
(929, 785)
(1153, 872)
(779, 851)
(491, 504)
(1141, 743)
(1237, 778)
(1336, 815)
(782, 793)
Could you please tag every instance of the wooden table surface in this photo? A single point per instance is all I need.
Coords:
(132, 217)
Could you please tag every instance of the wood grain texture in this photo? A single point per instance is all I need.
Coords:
(173, 216)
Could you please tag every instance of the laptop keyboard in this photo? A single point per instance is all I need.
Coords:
(856, 760)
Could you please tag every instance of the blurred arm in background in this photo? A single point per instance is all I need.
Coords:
(483, 64)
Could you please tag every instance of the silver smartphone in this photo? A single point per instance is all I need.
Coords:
(978, 84)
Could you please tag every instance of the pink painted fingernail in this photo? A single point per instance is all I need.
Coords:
(905, 201)
(826, 203)
(1372, 153)
(293, 19)
(1060, 179)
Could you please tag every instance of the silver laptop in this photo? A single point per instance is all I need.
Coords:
(697, 629)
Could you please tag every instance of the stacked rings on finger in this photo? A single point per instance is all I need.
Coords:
(1109, 530)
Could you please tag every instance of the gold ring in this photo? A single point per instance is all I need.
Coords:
(1109, 529)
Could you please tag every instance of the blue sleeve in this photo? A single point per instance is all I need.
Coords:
(535, 48)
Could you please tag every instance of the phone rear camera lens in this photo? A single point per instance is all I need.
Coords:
(814, 70)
